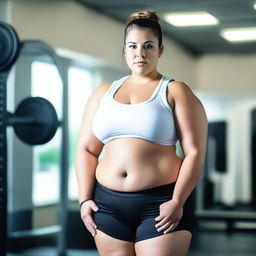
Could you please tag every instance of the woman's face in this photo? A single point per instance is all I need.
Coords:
(142, 51)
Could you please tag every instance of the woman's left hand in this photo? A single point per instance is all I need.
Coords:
(169, 217)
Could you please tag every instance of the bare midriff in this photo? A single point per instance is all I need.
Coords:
(132, 164)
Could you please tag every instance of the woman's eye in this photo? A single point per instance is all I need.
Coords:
(132, 46)
(148, 46)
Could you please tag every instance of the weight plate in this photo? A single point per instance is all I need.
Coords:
(43, 121)
(9, 46)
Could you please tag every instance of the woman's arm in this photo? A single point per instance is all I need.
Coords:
(192, 129)
(88, 150)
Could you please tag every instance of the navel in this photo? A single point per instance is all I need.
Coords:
(124, 174)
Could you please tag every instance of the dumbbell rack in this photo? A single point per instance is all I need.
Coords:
(3, 165)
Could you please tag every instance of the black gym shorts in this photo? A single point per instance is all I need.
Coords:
(130, 216)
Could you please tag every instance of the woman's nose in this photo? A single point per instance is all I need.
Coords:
(140, 52)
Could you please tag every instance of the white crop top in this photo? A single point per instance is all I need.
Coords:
(151, 120)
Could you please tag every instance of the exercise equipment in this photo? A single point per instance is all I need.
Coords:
(253, 153)
(9, 46)
(35, 122)
(209, 205)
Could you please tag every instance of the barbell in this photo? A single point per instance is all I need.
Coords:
(9, 46)
(35, 120)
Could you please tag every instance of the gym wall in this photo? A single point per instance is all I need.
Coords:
(69, 25)
(227, 73)
(54, 23)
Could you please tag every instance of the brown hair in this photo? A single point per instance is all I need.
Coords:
(144, 19)
(143, 15)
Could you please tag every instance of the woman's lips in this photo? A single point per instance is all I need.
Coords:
(140, 63)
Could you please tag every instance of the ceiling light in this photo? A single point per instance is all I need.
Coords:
(254, 6)
(239, 34)
(184, 19)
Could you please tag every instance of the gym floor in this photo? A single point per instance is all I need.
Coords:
(204, 243)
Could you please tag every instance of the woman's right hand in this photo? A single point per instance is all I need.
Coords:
(86, 212)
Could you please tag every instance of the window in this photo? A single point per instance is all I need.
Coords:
(47, 83)
(46, 158)
(80, 88)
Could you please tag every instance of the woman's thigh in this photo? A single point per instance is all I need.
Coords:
(173, 244)
(109, 246)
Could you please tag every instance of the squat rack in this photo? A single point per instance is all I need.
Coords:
(10, 49)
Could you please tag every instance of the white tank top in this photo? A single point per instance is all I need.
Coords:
(151, 120)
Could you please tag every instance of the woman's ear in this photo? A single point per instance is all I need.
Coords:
(161, 49)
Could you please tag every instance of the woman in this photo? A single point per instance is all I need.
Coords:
(137, 199)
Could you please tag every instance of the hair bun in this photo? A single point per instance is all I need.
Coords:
(144, 15)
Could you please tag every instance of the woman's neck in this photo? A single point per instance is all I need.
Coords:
(141, 79)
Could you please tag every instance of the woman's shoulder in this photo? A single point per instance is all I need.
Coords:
(104, 87)
(178, 90)
(100, 90)
(179, 86)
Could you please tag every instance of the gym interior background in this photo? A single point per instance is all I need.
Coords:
(75, 46)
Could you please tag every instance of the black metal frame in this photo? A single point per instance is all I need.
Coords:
(253, 154)
(62, 238)
(3, 164)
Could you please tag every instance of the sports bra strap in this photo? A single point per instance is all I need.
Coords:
(163, 93)
(115, 85)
